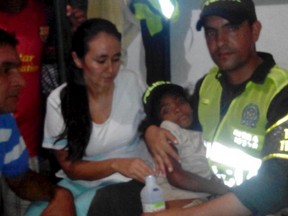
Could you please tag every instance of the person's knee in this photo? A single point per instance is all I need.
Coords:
(36, 208)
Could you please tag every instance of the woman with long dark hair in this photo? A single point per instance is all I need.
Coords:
(91, 121)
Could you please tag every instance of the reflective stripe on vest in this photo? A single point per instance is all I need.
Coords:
(231, 165)
(277, 134)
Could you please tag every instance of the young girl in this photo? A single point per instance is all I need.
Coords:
(167, 105)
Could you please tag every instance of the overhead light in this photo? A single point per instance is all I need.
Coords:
(167, 8)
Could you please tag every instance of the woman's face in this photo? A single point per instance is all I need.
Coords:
(101, 63)
(176, 109)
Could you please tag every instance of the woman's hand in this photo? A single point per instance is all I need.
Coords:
(135, 168)
(159, 143)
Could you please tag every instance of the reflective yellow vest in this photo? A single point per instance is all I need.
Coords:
(235, 142)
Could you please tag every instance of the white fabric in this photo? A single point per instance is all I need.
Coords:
(117, 137)
(192, 153)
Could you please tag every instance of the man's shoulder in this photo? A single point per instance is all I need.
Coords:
(12, 147)
(279, 77)
(7, 120)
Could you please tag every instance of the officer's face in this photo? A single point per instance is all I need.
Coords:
(231, 46)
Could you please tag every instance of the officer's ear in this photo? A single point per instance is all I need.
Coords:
(256, 29)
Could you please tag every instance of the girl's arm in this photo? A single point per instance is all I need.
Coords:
(193, 182)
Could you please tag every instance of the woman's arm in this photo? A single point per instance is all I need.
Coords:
(135, 168)
(158, 141)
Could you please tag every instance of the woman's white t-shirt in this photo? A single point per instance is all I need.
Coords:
(116, 137)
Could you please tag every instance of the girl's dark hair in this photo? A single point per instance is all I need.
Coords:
(74, 98)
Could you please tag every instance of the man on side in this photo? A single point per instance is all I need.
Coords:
(13, 153)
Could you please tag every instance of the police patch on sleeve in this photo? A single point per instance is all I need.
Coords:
(276, 142)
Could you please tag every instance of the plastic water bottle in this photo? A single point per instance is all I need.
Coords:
(152, 196)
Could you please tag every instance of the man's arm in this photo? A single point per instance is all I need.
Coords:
(33, 186)
(268, 191)
(76, 16)
(225, 205)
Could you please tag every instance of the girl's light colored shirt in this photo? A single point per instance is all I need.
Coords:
(192, 153)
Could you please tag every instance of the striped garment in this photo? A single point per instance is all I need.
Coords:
(13, 162)
(13, 152)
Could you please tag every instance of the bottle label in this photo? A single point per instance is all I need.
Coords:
(154, 207)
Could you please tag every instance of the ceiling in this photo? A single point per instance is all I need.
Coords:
(197, 3)
(261, 2)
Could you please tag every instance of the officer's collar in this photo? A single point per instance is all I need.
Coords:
(264, 68)
(259, 74)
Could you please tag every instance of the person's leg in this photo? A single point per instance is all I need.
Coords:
(83, 201)
(36, 208)
(12, 204)
(83, 195)
(121, 199)
(1, 199)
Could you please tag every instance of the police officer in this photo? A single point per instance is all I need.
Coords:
(244, 121)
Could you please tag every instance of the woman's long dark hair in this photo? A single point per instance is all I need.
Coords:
(74, 98)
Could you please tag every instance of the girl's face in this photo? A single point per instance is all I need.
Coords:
(176, 109)
(101, 63)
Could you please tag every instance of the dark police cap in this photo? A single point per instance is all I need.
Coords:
(236, 11)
